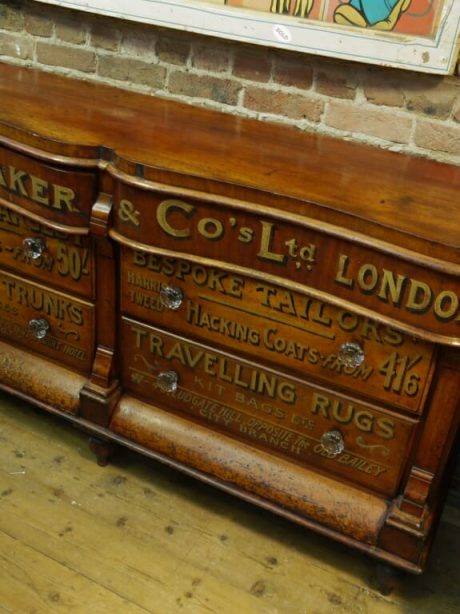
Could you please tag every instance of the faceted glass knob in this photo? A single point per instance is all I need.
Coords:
(332, 442)
(171, 297)
(169, 380)
(351, 354)
(39, 328)
(33, 247)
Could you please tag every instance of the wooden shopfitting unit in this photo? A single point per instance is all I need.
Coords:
(272, 312)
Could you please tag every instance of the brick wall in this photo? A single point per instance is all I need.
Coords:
(389, 108)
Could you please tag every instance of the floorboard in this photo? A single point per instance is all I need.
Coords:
(136, 537)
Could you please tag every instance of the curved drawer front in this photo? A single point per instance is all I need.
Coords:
(402, 287)
(285, 328)
(50, 256)
(312, 425)
(53, 324)
(64, 195)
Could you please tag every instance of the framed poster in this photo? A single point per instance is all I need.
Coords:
(420, 35)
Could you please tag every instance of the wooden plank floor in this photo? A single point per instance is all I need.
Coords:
(136, 537)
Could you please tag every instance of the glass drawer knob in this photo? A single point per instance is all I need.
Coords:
(171, 297)
(332, 442)
(351, 354)
(39, 328)
(169, 380)
(33, 247)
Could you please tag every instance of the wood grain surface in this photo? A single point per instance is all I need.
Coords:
(135, 537)
(296, 239)
(317, 176)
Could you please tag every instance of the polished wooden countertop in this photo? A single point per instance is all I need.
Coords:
(407, 201)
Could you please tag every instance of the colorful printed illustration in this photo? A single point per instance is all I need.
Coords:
(404, 16)
(421, 35)
(377, 14)
(298, 8)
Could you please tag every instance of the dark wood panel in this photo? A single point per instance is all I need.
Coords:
(48, 255)
(299, 242)
(296, 253)
(267, 408)
(321, 177)
(53, 324)
(62, 195)
(287, 329)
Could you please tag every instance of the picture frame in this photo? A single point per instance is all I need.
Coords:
(366, 31)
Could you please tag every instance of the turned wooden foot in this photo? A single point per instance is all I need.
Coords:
(387, 578)
(102, 449)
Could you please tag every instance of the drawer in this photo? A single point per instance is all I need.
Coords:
(312, 425)
(61, 194)
(53, 324)
(280, 326)
(50, 256)
(409, 289)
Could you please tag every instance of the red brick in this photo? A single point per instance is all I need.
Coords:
(132, 70)
(11, 17)
(66, 57)
(138, 40)
(38, 22)
(253, 64)
(212, 56)
(336, 81)
(382, 87)
(71, 28)
(373, 122)
(432, 95)
(16, 46)
(436, 136)
(105, 35)
(173, 49)
(290, 70)
(225, 91)
(275, 102)
(457, 112)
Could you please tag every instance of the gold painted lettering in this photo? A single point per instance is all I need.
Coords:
(286, 303)
(318, 314)
(369, 330)
(267, 292)
(420, 296)
(368, 278)
(63, 198)
(446, 305)
(364, 420)
(347, 321)
(268, 230)
(210, 228)
(165, 208)
(341, 412)
(40, 300)
(39, 190)
(139, 258)
(385, 428)
(341, 278)
(346, 413)
(236, 286)
(215, 280)
(209, 363)
(155, 344)
(393, 336)
(320, 405)
(246, 235)
(392, 287)
(17, 178)
(183, 269)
